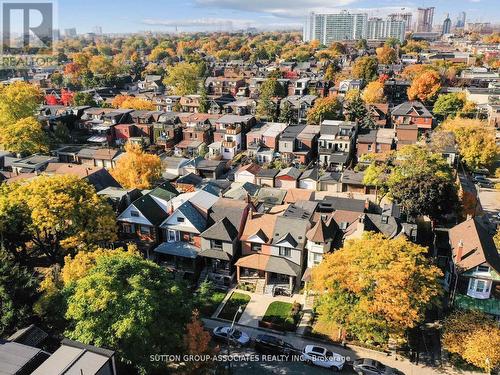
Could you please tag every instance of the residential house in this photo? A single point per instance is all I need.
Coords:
(348, 85)
(242, 191)
(330, 182)
(473, 277)
(190, 103)
(195, 134)
(406, 135)
(167, 131)
(319, 242)
(241, 107)
(32, 164)
(212, 169)
(300, 105)
(119, 198)
(172, 167)
(268, 197)
(230, 133)
(247, 173)
(140, 222)
(379, 113)
(220, 245)
(166, 103)
(298, 143)
(224, 85)
(336, 143)
(395, 90)
(376, 141)
(262, 140)
(98, 177)
(412, 113)
(151, 82)
(294, 195)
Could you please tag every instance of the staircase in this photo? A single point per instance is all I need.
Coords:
(269, 289)
(259, 286)
(203, 276)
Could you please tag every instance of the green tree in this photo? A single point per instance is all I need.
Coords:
(355, 110)
(286, 113)
(204, 104)
(448, 105)
(266, 105)
(18, 291)
(426, 194)
(130, 305)
(365, 68)
(356, 287)
(183, 78)
(84, 99)
(24, 136)
(327, 108)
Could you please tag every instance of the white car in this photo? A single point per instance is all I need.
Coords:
(235, 336)
(322, 357)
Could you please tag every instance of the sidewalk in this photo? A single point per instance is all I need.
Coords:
(351, 353)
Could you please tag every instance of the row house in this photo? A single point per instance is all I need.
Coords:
(167, 131)
(337, 143)
(98, 157)
(412, 113)
(395, 90)
(166, 103)
(298, 143)
(379, 113)
(300, 105)
(220, 243)
(262, 140)
(347, 85)
(190, 103)
(224, 85)
(406, 135)
(230, 135)
(241, 107)
(376, 141)
(100, 123)
(197, 131)
(273, 252)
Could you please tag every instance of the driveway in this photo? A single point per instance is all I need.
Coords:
(258, 305)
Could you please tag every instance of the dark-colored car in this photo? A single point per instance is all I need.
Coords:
(267, 344)
(366, 366)
(487, 184)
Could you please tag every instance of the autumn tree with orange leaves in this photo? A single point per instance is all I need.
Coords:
(197, 342)
(475, 337)
(425, 87)
(376, 288)
(137, 169)
(386, 55)
(131, 102)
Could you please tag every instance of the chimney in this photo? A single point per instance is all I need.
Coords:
(367, 204)
(360, 227)
(469, 216)
(171, 208)
(460, 251)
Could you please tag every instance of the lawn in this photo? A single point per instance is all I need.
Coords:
(236, 300)
(283, 314)
(211, 303)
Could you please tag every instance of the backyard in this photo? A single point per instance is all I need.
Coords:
(233, 303)
(208, 299)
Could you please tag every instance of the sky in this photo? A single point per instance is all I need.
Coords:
(129, 16)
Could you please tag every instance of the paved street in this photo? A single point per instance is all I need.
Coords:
(299, 342)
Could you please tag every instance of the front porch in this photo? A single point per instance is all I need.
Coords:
(179, 257)
(270, 274)
(217, 268)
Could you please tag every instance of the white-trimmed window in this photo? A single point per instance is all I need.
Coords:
(479, 288)
(173, 235)
(145, 229)
(285, 252)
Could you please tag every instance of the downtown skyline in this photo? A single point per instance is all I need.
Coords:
(232, 15)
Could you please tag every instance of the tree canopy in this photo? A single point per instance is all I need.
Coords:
(374, 93)
(137, 169)
(375, 287)
(183, 78)
(327, 108)
(365, 68)
(425, 87)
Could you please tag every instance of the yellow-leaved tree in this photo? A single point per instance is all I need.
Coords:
(475, 140)
(475, 337)
(137, 169)
(20, 131)
(130, 102)
(425, 87)
(374, 93)
(376, 288)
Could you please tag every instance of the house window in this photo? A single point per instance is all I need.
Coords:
(369, 147)
(285, 252)
(483, 269)
(145, 229)
(128, 228)
(317, 258)
(180, 219)
(173, 236)
(257, 247)
(216, 244)
(134, 213)
(343, 225)
(479, 288)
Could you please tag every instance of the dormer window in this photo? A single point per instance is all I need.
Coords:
(134, 213)
(483, 269)
(385, 219)
(180, 219)
(343, 225)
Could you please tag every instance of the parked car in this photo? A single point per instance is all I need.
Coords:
(481, 172)
(366, 366)
(322, 357)
(487, 184)
(480, 178)
(235, 335)
(268, 344)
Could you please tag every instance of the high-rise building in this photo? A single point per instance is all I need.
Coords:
(331, 27)
(70, 33)
(379, 29)
(461, 20)
(406, 17)
(446, 25)
(425, 19)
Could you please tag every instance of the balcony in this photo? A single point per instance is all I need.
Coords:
(326, 150)
(228, 144)
(233, 130)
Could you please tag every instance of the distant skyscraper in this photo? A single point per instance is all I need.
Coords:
(447, 25)
(406, 17)
(97, 30)
(70, 33)
(461, 19)
(379, 29)
(425, 18)
(331, 27)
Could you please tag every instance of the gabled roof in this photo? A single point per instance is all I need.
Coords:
(323, 231)
(290, 230)
(150, 209)
(270, 263)
(165, 191)
(193, 216)
(478, 246)
(250, 168)
(413, 108)
(289, 172)
(222, 230)
(312, 174)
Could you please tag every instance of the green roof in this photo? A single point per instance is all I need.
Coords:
(489, 306)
